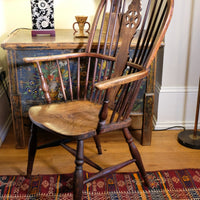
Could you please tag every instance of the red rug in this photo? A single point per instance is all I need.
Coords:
(169, 184)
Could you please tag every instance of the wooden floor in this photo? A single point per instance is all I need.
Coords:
(164, 153)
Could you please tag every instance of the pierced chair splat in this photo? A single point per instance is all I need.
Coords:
(102, 82)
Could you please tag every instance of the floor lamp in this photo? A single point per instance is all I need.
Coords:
(191, 138)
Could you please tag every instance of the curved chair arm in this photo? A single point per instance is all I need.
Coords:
(67, 56)
(77, 55)
(102, 85)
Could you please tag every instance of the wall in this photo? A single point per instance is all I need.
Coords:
(5, 115)
(176, 91)
(64, 12)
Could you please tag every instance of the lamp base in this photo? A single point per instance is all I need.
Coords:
(187, 138)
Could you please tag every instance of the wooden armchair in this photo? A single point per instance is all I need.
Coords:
(103, 83)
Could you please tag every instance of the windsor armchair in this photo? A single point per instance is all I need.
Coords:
(103, 85)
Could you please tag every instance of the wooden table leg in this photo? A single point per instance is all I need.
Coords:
(147, 119)
(147, 123)
(15, 98)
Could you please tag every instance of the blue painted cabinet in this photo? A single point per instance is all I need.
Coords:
(25, 84)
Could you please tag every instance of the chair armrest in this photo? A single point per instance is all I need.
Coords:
(66, 56)
(102, 85)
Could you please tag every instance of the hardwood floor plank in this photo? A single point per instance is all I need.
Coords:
(164, 153)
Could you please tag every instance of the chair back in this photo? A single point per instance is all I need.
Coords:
(118, 26)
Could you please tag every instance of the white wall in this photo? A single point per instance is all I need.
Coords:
(178, 87)
(2, 22)
(66, 10)
(17, 13)
(5, 113)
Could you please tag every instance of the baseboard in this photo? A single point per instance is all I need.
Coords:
(175, 89)
(5, 122)
(2, 91)
(5, 128)
(176, 106)
(173, 125)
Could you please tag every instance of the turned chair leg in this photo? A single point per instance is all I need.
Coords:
(78, 174)
(32, 149)
(98, 144)
(135, 154)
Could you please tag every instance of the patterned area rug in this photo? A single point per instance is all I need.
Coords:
(169, 184)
